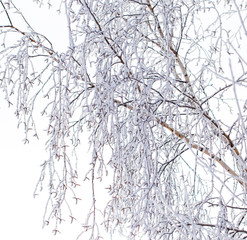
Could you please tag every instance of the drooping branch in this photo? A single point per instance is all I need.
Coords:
(193, 145)
(142, 103)
(197, 103)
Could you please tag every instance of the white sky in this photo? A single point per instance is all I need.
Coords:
(21, 214)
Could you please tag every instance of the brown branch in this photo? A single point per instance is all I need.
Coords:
(7, 14)
(101, 31)
(228, 206)
(175, 132)
(192, 145)
(187, 79)
(107, 41)
(201, 149)
(156, 20)
(49, 51)
(215, 226)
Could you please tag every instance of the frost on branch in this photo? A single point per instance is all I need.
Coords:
(160, 85)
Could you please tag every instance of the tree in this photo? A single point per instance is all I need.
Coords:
(160, 86)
